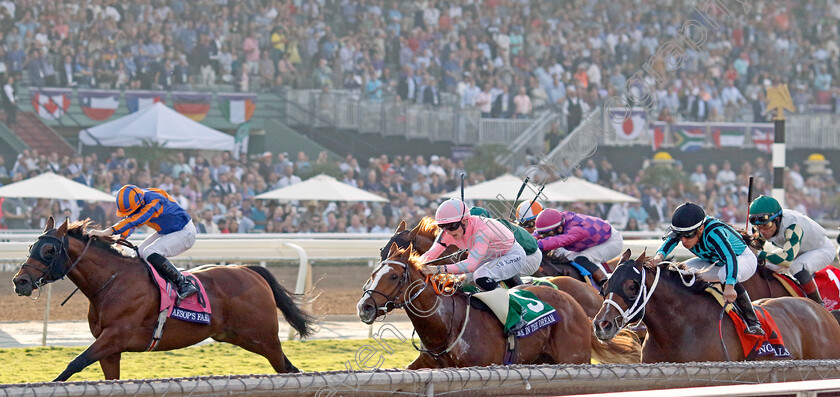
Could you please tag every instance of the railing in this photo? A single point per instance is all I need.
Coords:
(345, 110)
(529, 142)
(578, 145)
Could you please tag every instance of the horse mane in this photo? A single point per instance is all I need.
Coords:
(77, 230)
(428, 227)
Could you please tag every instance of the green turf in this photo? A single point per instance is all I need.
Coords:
(40, 364)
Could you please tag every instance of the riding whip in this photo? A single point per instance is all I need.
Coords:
(539, 192)
(521, 189)
(749, 201)
(462, 186)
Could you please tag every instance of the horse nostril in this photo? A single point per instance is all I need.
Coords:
(368, 309)
(604, 324)
(21, 282)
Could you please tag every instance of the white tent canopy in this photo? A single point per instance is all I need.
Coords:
(584, 191)
(321, 188)
(503, 188)
(52, 186)
(160, 124)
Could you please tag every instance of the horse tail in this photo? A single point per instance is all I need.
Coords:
(623, 348)
(286, 302)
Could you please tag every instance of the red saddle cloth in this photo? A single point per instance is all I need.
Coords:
(195, 308)
(756, 346)
(828, 282)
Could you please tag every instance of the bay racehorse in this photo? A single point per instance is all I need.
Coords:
(684, 324)
(124, 303)
(454, 334)
(423, 235)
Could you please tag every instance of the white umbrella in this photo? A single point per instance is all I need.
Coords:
(504, 188)
(51, 186)
(321, 188)
(585, 191)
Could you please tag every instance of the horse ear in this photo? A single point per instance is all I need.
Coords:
(62, 230)
(50, 225)
(393, 249)
(643, 256)
(413, 233)
(625, 256)
(400, 227)
(409, 249)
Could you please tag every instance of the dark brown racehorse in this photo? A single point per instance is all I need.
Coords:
(124, 303)
(682, 322)
(423, 235)
(457, 335)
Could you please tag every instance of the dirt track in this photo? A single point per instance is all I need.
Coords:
(340, 287)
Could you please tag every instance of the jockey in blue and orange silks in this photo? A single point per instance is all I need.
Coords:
(585, 240)
(174, 230)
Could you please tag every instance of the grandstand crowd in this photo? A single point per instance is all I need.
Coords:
(219, 190)
(505, 57)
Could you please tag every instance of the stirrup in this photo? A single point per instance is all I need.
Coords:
(754, 329)
(186, 290)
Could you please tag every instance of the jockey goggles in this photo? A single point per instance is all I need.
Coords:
(760, 219)
(552, 232)
(528, 224)
(451, 227)
(686, 234)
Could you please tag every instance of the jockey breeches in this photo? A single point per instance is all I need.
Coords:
(814, 260)
(747, 263)
(532, 263)
(170, 244)
(504, 267)
(600, 253)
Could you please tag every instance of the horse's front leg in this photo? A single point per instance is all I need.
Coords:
(108, 344)
(111, 366)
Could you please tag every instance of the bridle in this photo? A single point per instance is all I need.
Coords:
(56, 266)
(391, 301)
(636, 311)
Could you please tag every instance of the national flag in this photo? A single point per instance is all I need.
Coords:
(194, 105)
(137, 100)
(763, 137)
(50, 103)
(728, 135)
(628, 129)
(657, 134)
(240, 143)
(99, 104)
(237, 108)
(689, 138)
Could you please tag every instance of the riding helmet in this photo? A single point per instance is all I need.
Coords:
(450, 211)
(129, 199)
(764, 209)
(687, 217)
(549, 219)
(528, 210)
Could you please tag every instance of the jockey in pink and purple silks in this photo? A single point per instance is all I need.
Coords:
(586, 240)
(494, 255)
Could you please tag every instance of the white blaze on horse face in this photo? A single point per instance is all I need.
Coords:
(383, 270)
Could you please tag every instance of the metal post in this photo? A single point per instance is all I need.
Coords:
(304, 278)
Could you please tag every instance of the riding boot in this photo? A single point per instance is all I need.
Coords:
(744, 305)
(598, 274)
(809, 286)
(171, 274)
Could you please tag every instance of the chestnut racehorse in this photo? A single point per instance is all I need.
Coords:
(682, 322)
(124, 303)
(423, 235)
(458, 335)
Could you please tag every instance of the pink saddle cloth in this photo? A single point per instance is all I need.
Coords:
(195, 308)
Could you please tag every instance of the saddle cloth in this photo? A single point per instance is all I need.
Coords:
(195, 308)
(516, 304)
(771, 343)
(828, 282)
